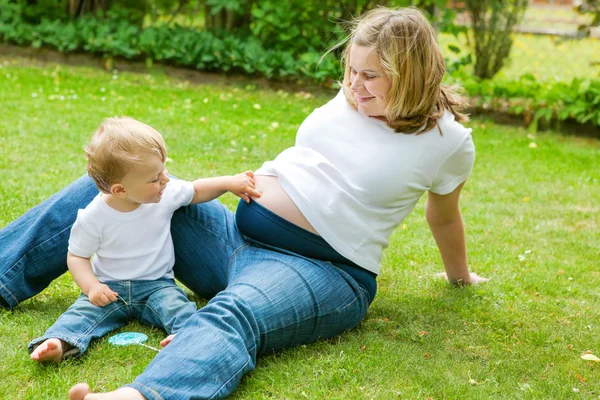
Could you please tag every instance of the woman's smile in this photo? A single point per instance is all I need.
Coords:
(363, 99)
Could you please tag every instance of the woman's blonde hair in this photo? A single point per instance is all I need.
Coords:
(117, 146)
(406, 45)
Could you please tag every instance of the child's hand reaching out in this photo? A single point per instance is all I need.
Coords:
(242, 185)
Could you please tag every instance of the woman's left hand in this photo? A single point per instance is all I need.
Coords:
(474, 279)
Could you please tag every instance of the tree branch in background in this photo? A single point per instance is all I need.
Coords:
(589, 7)
(492, 23)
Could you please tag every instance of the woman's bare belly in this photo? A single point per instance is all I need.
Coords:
(275, 199)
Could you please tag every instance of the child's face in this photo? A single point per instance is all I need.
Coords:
(147, 181)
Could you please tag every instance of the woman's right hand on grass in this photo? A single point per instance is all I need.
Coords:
(474, 279)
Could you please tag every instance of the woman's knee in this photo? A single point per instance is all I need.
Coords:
(292, 308)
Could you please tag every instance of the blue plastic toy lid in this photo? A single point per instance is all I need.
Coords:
(127, 338)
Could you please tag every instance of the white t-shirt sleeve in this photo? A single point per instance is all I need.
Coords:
(84, 239)
(181, 192)
(456, 168)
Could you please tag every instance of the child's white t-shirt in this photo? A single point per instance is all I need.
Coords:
(355, 179)
(135, 245)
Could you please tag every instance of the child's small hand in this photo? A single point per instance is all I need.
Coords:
(242, 185)
(101, 295)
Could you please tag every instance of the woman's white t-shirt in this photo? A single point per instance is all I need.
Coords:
(354, 179)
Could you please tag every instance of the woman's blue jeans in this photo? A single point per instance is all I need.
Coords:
(262, 299)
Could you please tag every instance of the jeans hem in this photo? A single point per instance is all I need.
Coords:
(69, 353)
(7, 297)
(148, 393)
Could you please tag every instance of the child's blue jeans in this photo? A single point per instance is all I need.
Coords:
(159, 303)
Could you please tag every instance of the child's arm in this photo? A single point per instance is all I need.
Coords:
(242, 185)
(81, 269)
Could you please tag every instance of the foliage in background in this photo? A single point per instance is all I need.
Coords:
(269, 38)
(492, 23)
(35, 10)
(113, 36)
(284, 40)
(547, 102)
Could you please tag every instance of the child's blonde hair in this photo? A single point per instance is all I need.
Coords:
(406, 45)
(117, 146)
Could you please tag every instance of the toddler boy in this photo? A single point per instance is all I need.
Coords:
(127, 229)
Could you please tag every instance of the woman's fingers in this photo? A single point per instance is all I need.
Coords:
(477, 279)
(474, 278)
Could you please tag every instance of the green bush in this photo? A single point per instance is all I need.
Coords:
(296, 25)
(536, 101)
(34, 11)
(112, 36)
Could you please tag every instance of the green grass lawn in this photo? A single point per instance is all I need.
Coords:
(558, 17)
(532, 215)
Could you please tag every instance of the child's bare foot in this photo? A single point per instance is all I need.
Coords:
(166, 340)
(81, 391)
(50, 351)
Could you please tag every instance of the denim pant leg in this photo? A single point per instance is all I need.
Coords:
(33, 248)
(83, 322)
(166, 306)
(204, 237)
(273, 301)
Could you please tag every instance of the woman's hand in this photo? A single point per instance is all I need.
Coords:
(474, 279)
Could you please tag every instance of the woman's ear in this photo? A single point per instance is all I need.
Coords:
(118, 190)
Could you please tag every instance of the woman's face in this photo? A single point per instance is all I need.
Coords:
(368, 82)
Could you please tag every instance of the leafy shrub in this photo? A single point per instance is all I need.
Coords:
(112, 36)
(536, 101)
